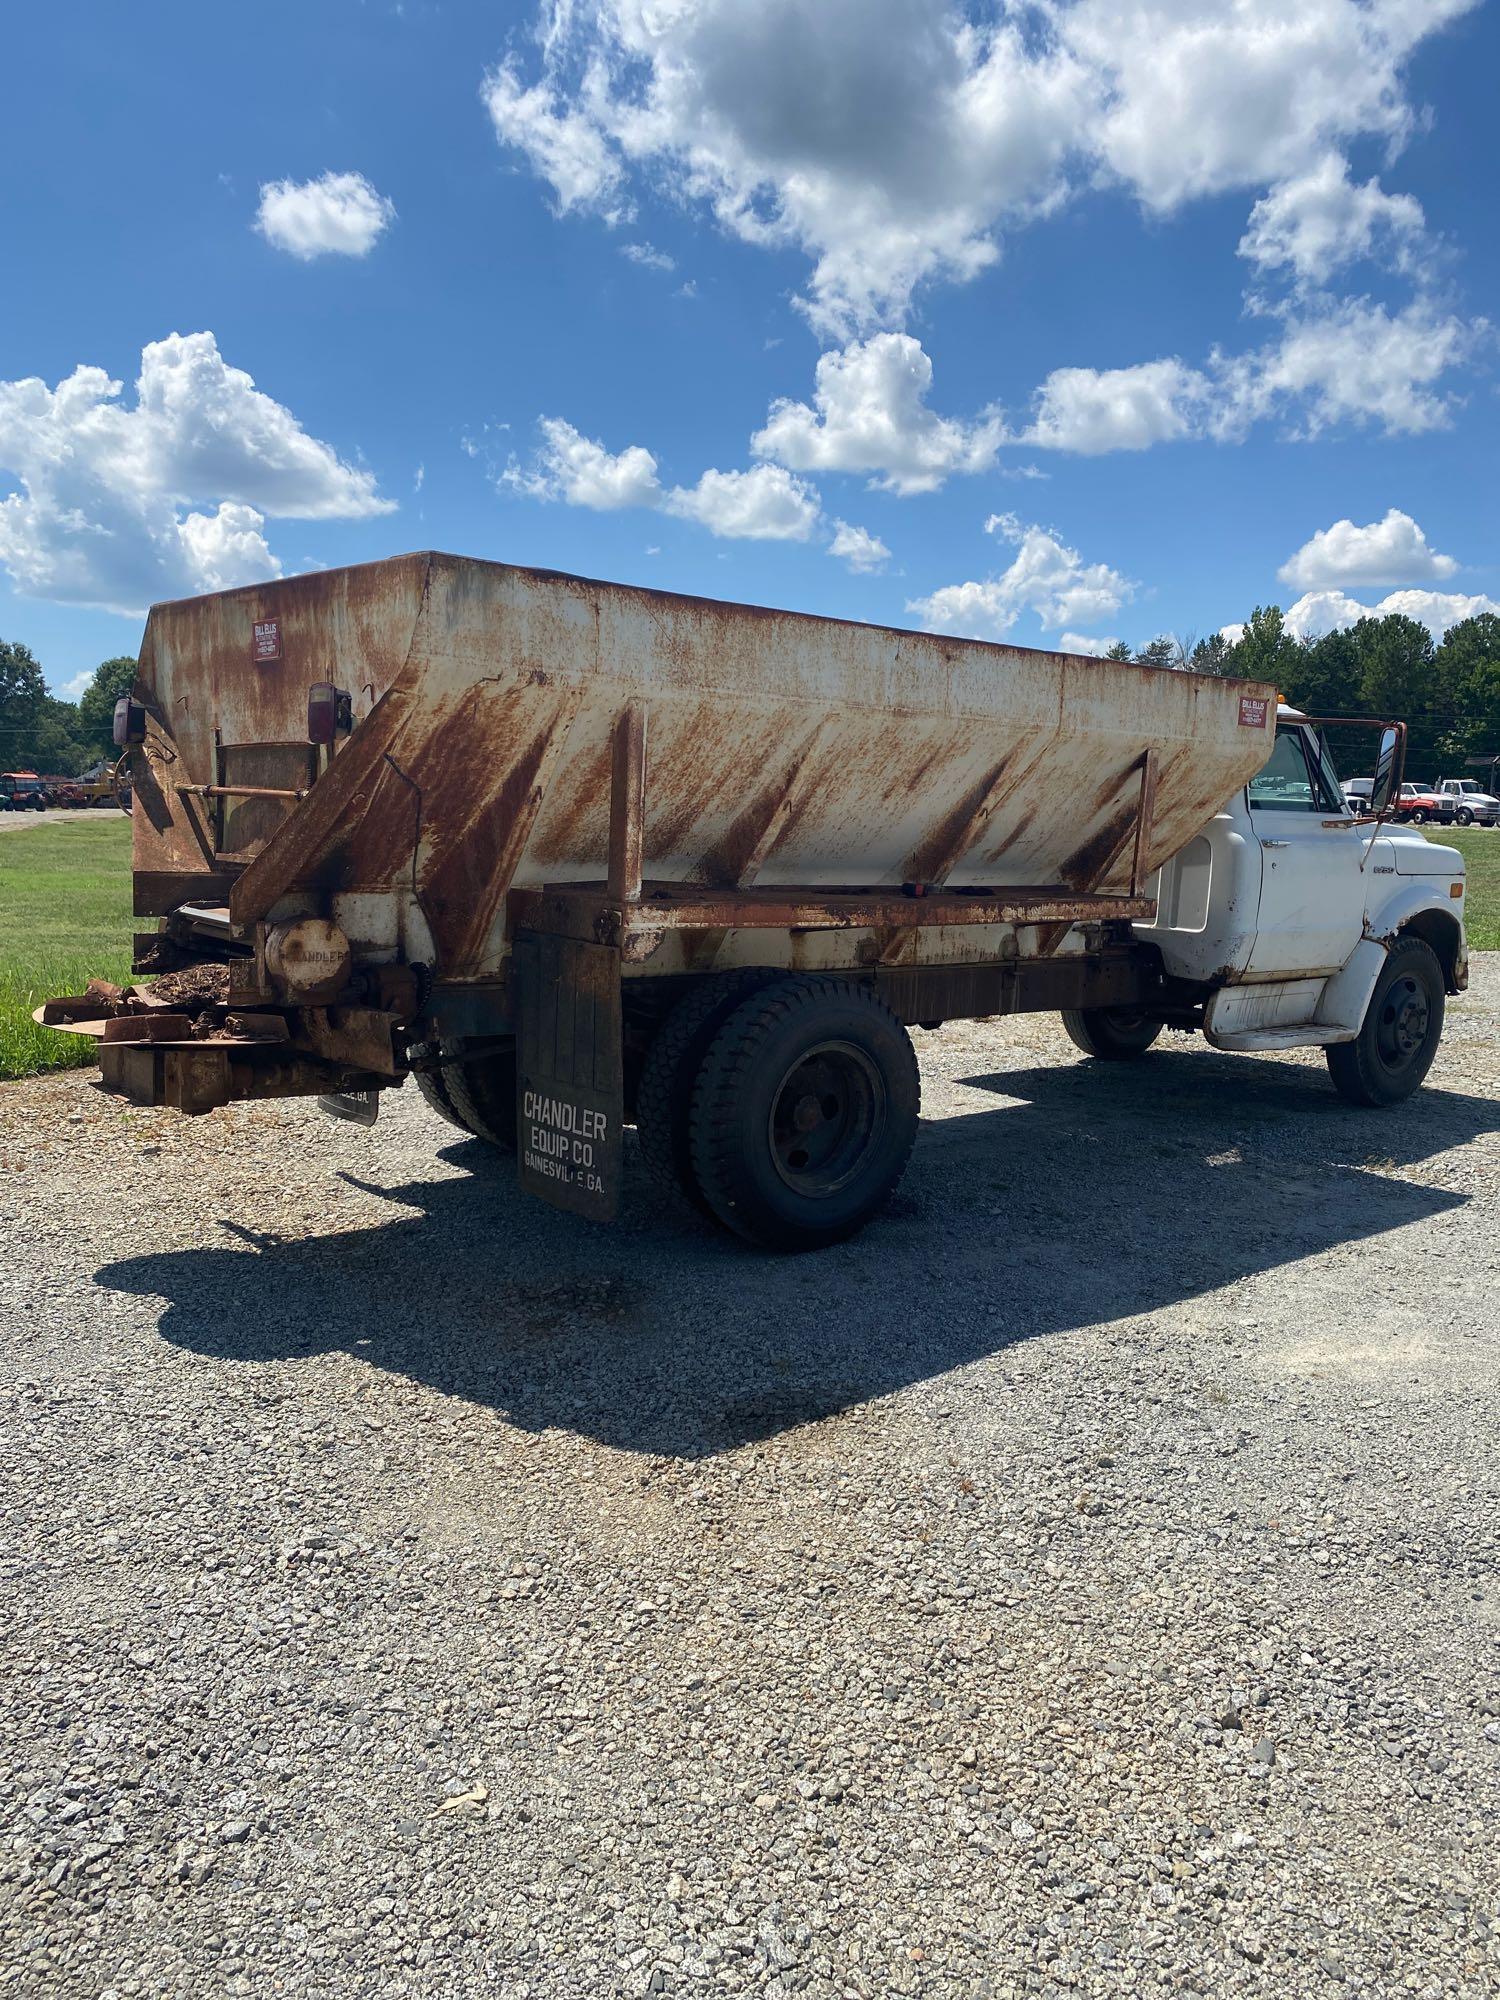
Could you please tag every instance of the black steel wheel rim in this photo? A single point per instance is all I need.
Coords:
(827, 1117)
(1401, 1030)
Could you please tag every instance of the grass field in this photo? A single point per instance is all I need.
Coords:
(65, 919)
(1480, 848)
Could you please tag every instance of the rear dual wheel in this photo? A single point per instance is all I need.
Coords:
(1111, 1034)
(803, 1114)
(477, 1096)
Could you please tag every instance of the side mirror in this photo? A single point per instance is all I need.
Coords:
(130, 723)
(1387, 770)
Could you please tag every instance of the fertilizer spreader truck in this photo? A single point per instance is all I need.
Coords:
(573, 856)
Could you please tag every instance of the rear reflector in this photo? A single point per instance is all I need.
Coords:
(329, 710)
(130, 722)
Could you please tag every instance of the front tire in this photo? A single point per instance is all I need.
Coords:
(1463, 817)
(1111, 1034)
(804, 1114)
(1417, 816)
(1398, 1037)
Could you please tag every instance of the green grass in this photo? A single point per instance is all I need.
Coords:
(64, 920)
(1480, 848)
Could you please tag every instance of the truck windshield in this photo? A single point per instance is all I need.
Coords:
(1298, 776)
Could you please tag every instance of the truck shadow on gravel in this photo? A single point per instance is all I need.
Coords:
(1092, 1194)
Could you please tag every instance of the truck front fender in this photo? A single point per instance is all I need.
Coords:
(1414, 910)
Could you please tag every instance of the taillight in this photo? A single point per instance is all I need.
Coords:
(329, 711)
(130, 722)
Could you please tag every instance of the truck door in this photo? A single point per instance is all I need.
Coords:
(1312, 890)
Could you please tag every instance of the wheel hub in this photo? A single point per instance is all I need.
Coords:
(827, 1114)
(1404, 1020)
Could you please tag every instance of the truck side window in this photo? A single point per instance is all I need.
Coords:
(1284, 783)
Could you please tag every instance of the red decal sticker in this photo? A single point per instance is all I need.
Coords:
(266, 645)
(1253, 711)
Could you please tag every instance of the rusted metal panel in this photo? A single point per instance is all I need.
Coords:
(587, 911)
(793, 752)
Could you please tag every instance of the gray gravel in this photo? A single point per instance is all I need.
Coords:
(1085, 1581)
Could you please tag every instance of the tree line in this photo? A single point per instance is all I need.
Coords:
(39, 732)
(1447, 694)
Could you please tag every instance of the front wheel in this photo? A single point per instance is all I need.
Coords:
(1463, 817)
(804, 1113)
(1417, 816)
(1112, 1034)
(1398, 1038)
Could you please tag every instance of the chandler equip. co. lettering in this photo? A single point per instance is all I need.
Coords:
(564, 1116)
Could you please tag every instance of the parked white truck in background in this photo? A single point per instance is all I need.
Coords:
(574, 855)
(1472, 804)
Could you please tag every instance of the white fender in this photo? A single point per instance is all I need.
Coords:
(1347, 995)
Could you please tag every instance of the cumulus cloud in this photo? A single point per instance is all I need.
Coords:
(336, 215)
(892, 141)
(1046, 576)
(1356, 363)
(1317, 222)
(121, 504)
(1083, 642)
(863, 552)
(1093, 410)
(1352, 363)
(767, 503)
(578, 470)
(564, 144)
(1394, 550)
(869, 414)
(1322, 611)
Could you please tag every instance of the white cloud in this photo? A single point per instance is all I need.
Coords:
(869, 414)
(563, 143)
(1081, 642)
(119, 505)
(571, 467)
(1357, 362)
(890, 140)
(1394, 550)
(1320, 220)
(863, 552)
(648, 256)
(765, 504)
(1118, 409)
(336, 215)
(1202, 98)
(1046, 577)
(1320, 611)
(78, 687)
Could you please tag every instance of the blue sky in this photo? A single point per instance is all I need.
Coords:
(1056, 324)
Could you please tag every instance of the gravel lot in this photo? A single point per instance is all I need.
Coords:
(1087, 1580)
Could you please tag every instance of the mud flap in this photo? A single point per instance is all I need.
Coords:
(570, 1092)
(360, 1107)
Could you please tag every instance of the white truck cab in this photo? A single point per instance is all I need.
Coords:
(1472, 804)
(1309, 926)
